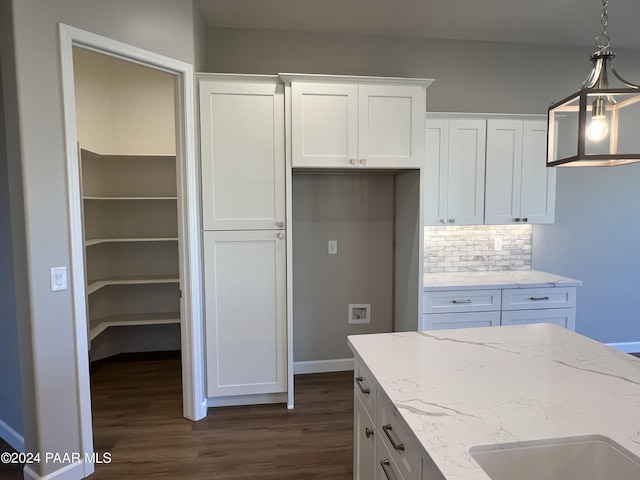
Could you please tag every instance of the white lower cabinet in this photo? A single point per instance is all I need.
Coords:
(364, 441)
(446, 309)
(383, 448)
(244, 277)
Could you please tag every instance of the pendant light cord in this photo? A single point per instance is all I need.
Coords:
(603, 41)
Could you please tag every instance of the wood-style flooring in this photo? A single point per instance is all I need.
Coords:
(137, 414)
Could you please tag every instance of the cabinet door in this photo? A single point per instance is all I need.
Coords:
(244, 277)
(324, 125)
(564, 317)
(465, 172)
(448, 321)
(390, 126)
(364, 442)
(538, 193)
(242, 155)
(436, 144)
(504, 171)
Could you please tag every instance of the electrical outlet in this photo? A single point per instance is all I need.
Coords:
(332, 247)
(497, 244)
(58, 278)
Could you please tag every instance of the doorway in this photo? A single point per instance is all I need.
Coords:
(189, 289)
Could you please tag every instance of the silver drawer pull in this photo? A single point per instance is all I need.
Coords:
(460, 301)
(359, 381)
(535, 299)
(386, 464)
(368, 432)
(387, 430)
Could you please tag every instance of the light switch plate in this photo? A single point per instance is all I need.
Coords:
(332, 247)
(58, 279)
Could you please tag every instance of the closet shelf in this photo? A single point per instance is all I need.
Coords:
(111, 198)
(89, 153)
(97, 241)
(96, 285)
(134, 319)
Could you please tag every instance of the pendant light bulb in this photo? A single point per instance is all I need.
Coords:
(597, 128)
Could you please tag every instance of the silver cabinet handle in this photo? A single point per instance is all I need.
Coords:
(281, 224)
(387, 429)
(517, 220)
(359, 381)
(385, 464)
(443, 220)
(368, 432)
(353, 161)
(281, 235)
(525, 219)
(460, 301)
(363, 161)
(535, 299)
(452, 220)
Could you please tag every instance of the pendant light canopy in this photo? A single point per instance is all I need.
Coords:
(598, 126)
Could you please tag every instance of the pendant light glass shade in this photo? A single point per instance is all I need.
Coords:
(598, 126)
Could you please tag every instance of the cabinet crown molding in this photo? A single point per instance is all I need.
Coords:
(306, 77)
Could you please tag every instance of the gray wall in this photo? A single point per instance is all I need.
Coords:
(10, 387)
(593, 238)
(37, 140)
(357, 211)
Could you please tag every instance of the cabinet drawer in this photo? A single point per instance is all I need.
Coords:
(365, 387)
(533, 298)
(445, 321)
(397, 439)
(565, 317)
(385, 466)
(451, 301)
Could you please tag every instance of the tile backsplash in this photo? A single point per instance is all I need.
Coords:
(472, 248)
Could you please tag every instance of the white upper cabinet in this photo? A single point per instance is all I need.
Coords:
(519, 186)
(455, 169)
(353, 123)
(242, 151)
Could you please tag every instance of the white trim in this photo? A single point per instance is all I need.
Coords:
(12, 437)
(73, 471)
(323, 366)
(234, 400)
(628, 347)
(192, 364)
(321, 78)
(289, 233)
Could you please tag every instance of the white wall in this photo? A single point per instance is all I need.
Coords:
(595, 234)
(37, 143)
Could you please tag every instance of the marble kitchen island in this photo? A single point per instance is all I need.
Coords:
(438, 393)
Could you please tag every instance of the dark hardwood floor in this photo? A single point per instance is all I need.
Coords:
(137, 411)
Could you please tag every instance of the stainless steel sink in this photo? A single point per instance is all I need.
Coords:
(589, 457)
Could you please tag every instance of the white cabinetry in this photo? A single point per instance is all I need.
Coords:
(245, 307)
(455, 165)
(364, 441)
(519, 186)
(243, 145)
(444, 309)
(243, 196)
(341, 122)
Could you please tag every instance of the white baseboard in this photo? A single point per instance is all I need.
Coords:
(323, 366)
(73, 471)
(628, 347)
(12, 437)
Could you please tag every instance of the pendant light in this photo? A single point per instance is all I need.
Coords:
(598, 125)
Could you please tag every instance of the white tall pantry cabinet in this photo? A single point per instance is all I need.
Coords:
(243, 172)
(256, 132)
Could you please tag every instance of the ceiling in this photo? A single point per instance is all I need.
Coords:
(542, 22)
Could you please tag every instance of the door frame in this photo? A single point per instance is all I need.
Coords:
(194, 402)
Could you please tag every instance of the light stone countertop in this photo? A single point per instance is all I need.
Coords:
(501, 279)
(484, 386)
